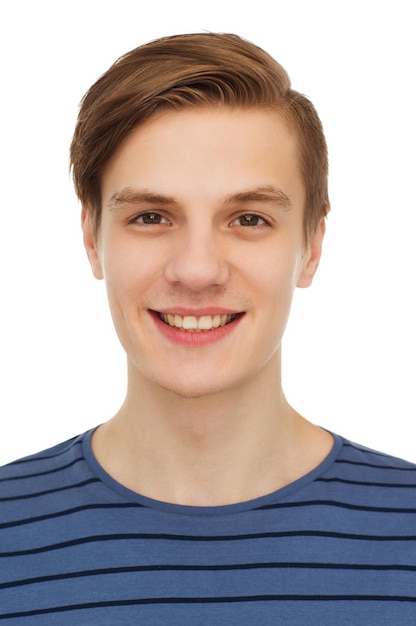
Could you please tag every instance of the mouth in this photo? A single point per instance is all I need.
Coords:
(194, 324)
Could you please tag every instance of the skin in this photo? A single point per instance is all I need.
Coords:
(203, 214)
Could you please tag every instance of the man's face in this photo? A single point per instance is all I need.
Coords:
(201, 246)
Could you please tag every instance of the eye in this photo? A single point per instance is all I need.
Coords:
(150, 218)
(249, 219)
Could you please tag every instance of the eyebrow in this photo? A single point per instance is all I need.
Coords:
(268, 194)
(132, 196)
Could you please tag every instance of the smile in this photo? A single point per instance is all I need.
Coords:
(192, 323)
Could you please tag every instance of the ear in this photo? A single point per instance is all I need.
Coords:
(312, 256)
(90, 243)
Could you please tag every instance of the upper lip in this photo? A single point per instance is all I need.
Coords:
(185, 311)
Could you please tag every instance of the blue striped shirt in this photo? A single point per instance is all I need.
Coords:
(337, 546)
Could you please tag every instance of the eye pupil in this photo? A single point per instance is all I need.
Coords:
(249, 220)
(151, 218)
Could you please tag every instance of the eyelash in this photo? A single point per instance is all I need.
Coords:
(158, 219)
(252, 216)
(148, 214)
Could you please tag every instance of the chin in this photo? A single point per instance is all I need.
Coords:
(191, 392)
(189, 389)
(192, 395)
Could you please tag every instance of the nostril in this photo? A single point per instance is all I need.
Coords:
(196, 269)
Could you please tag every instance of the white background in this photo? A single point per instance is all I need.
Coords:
(349, 353)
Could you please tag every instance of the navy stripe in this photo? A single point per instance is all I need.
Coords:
(343, 505)
(412, 468)
(207, 538)
(207, 568)
(365, 483)
(211, 600)
(46, 473)
(49, 491)
(123, 505)
(77, 509)
(37, 458)
(363, 450)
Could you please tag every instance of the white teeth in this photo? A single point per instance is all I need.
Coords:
(216, 321)
(192, 323)
(189, 323)
(205, 322)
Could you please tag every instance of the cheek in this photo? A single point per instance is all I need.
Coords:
(133, 283)
(125, 264)
(276, 272)
(275, 283)
(122, 279)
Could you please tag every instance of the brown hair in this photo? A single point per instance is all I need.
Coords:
(203, 69)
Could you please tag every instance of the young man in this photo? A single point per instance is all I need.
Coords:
(206, 499)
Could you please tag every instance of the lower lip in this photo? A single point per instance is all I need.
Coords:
(195, 338)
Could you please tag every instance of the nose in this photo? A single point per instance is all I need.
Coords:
(197, 260)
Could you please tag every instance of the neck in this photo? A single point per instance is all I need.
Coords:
(212, 450)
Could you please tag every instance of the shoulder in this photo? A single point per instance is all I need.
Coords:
(51, 470)
(356, 455)
(369, 480)
(45, 459)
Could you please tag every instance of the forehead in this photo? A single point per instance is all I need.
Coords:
(207, 152)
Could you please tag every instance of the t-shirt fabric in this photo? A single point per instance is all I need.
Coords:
(337, 546)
